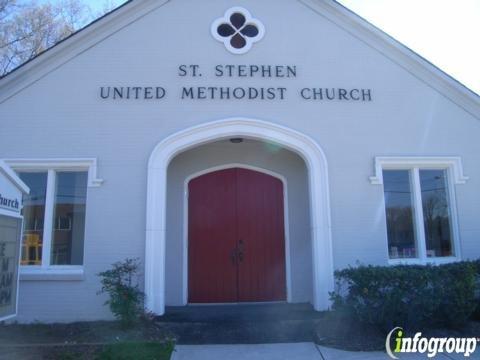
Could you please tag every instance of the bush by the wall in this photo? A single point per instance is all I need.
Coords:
(476, 314)
(125, 297)
(408, 296)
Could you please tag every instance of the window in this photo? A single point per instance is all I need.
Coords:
(33, 217)
(237, 30)
(402, 240)
(70, 201)
(54, 217)
(434, 221)
(420, 207)
(436, 213)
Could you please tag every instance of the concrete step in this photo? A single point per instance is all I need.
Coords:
(242, 324)
(194, 333)
(240, 312)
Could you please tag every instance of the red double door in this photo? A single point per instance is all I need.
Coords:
(236, 241)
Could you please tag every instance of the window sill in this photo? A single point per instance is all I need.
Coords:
(427, 261)
(73, 273)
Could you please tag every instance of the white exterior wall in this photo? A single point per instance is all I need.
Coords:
(61, 115)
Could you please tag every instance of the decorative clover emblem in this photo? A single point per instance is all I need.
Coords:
(238, 30)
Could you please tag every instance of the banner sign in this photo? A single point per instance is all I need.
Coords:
(10, 231)
(11, 221)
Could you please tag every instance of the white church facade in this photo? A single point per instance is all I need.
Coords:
(242, 150)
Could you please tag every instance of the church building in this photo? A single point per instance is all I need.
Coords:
(241, 150)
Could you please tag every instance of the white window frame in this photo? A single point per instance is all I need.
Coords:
(454, 170)
(45, 271)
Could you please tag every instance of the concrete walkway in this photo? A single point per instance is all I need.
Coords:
(296, 351)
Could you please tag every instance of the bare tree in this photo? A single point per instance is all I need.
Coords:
(6, 8)
(107, 6)
(74, 14)
(29, 28)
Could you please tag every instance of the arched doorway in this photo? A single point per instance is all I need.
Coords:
(236, 237)
(165, 151)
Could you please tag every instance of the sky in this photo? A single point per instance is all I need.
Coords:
(97, 5)
(445, 32)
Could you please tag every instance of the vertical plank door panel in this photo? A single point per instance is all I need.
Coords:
(212, 275)
(261, 233)
(236, 212)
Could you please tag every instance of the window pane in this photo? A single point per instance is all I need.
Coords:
(436, 213)
(33, 217)
(69, 218)
(399, 213)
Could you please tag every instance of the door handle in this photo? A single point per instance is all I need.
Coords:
(237, 254)
(240, 251)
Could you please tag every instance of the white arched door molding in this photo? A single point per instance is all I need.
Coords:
(303, 145)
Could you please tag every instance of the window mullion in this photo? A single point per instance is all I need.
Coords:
(419, 227)
(452, 211)
(48, 222)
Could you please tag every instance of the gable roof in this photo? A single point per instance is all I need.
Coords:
(102, 28)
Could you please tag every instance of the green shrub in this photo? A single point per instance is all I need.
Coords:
(125, 297)
(476, 314)
(408, 296)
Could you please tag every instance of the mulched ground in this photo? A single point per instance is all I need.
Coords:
(342, 332)
(80, 332)
(119, 351)
(86, 340)
(82, 340)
